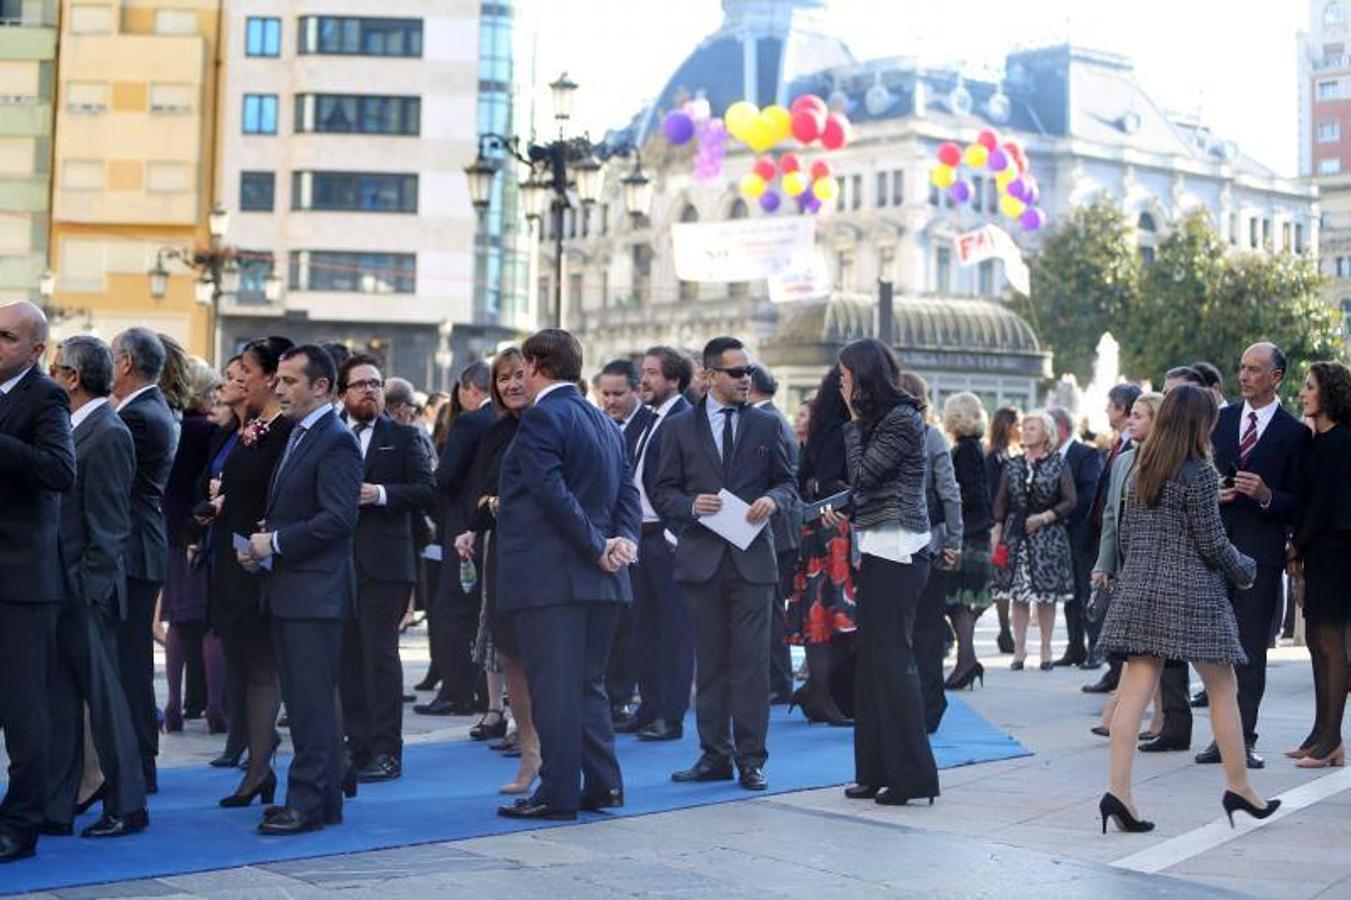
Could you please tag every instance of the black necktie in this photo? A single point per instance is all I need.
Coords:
(643, 438)
(727, 436)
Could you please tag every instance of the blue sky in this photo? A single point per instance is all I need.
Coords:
(1234, 61)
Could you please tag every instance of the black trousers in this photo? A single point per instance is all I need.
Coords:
(1255, 609)
(890, 746)
(136, 662)
(454, 622)
(731, 652)
(780, 658)
(564, 649)
(930, 647)
(621, 673)
(27, 633)
(309, 652)
(84, 672)
(1076, 650)
(663, 635)
(372, 673)
(1177, 711)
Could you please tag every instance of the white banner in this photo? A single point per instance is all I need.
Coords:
(993, 242)
(744, 249)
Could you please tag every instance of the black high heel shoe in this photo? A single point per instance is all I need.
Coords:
(1112, 808)
(967, 679)
(85, 805)
(1238, 803)
(349, 782)
(267, 788)
(492, 725)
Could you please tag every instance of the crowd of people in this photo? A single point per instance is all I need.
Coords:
(593, 557)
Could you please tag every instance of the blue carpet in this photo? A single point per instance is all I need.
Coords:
(448, 793)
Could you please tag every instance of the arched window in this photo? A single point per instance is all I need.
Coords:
(1333, 14)
(739, 210)
(688, 290)
(1148, 231)
(1146, 223)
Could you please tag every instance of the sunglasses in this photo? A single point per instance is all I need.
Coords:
(737, 372)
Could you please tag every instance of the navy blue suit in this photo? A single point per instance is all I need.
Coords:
(621, 675)
(1085, 464)
(312, 509)
(565, 489)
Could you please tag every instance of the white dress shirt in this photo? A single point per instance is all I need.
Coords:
(547, 391)
(658, 415)
(9, 385)
(364, 442)
(83, 412)
(133, 395)
(715, 418)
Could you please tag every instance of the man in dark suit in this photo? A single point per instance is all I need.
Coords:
(1086, 466)
(1260, 450)
(617, 385)
(663, 640)
(304, 549)
(1120, 399)
(95, 522)
(719, 445)
(37, 465)
(397, 486)
(567, 529)
(138, 360)
(787, 540)
(453, 616)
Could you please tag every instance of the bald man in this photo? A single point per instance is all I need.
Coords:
(37, 465)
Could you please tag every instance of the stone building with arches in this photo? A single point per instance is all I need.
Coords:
(1088, 127)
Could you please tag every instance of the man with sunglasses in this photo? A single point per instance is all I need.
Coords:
(724, 444)
(397, 485)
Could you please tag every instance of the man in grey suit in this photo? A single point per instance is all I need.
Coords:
(722, 444)
(787, 539)
(304, 549)
(138, 360)
(95, 522)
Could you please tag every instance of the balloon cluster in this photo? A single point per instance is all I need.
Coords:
(810, 185)
(808, 120)
(1018, 189)
(694, 121)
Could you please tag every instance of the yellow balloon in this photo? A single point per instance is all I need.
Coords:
(794, 184)
(976, 156)
(1002, 178)
(738, 116)
(752, 186)
(1011, 206)
(943, 176)
(825, 189)
(779, 120)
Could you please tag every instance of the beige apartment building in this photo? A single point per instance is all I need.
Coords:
(134, 162)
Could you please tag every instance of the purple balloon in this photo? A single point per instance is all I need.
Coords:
(960, 192)
(1032, 218)
(1033, 190)
(999, 161)
(769, 201)
(678, 127)
(1018, 188)
(808, 202)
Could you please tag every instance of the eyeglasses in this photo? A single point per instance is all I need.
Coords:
(370, 384)
(736, 372)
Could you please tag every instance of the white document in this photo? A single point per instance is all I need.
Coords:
(432, 552)
(730, 521)
(242, 545)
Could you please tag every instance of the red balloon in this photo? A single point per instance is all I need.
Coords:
(766, 168)
(1016, 154)
(789, 163)
(949, 154)
(988, 139)
(820, 169)
(811, 102)
(807, 125)
(836, 133)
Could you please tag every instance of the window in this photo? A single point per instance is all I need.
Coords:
(1252, 233)
(168, 177)
(844, 270)
(1233, 229)
(688, 290)
(82, 175)
(1329, 166)
(257, 191)
(1329, 90)
(985, 278)
(1146, 223)
(352, 36)
(882, 196)
(19, 82)
(1333, 13)
(641, 262)
(354, 113)
(262, 36)
(604, 219)
(840, 187)
(260, 113)
(897, 187)
(575, 282)
(978, 193)
(1299, 238)
(1329, 132)
(87, 97)
(353, 273)
(1266, 233)
(170, 99)
(738, 289)
(1286, 242)
(1333, 53)
(176, 21)
(855, 191)
(254, 267)
(354, 191)
(943, 270)
(90, 18)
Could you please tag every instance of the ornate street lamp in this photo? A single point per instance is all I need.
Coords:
(563, 90)
(47, 286)
(480, 175)
(637, 191)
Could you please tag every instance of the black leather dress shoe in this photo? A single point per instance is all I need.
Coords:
(288, 821)
(1104, 685)
(1068, 660)
(56, 829)
(438, 707)
(533, 809)
(1164, 744)
(13, 847)
(780, 698)
(889, 797)
(427, 684)
(111, 826)
(630, 725)
(704, 770)
(861, 791)
(1211, 756)
(601, 800)
(1092, 662)
(333, 817)
(382, 768)
(226, 760)
(753, 778)
(410, 698)
(661, 730)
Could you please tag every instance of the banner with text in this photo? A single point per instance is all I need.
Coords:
(993, 242)
(781, 251)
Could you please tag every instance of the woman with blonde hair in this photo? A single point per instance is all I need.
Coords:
(1034, 564)
(967, 588)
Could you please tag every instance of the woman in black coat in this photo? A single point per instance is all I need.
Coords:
(1002, 443)
(968, 587)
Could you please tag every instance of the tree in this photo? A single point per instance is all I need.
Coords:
(1084, 282)
(1200, 302)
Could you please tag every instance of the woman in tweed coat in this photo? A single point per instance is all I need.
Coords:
(1172, 601)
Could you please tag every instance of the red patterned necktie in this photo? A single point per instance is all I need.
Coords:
(1249, 441)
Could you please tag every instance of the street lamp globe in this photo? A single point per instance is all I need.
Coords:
(47, 284)
(534, 196)
(480, 175)
(589, 174)
(637, 191)
(229, 276)
(563, 90)
(272, 287)
(218, 223)
(204, 290)
(159, 280)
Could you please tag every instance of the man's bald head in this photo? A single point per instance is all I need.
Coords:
(23, 337)
(1260, 373)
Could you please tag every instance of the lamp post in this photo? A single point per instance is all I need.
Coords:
(218, 271)
(557, 171)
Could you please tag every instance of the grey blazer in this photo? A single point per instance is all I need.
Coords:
(96, 513)
(942, 492)
(1109, 544)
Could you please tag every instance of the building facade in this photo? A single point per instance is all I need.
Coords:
(345, 130)
(134, 160)
(1087, 125)
(27, 88)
